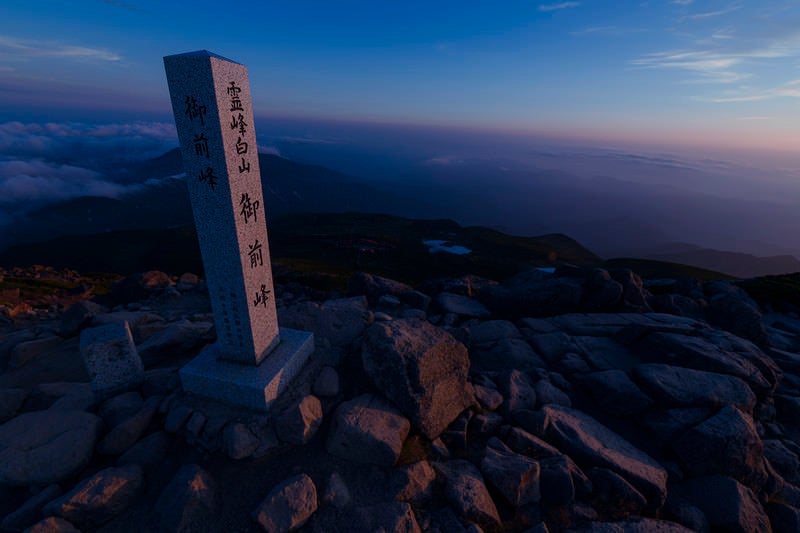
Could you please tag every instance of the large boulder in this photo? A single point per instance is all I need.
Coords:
(288, 506)
(99, 498)
(188, 503)
(340, 321)
(592, 444)
(46, 447)
(468, 495)
(368, 430)
(615, 393)
(422, 369)
(727, 504)
(515, 476)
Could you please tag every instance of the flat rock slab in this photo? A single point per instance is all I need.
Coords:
(592, 444)
(461, 305)
(288, 506)
(253, 387)
(46, 447)
(111, 359)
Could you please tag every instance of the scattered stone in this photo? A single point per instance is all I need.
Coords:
(368, 430)
(119, 408)
(160, 381)
(98, 499)
(727, 504)
(461, 305)
(148, 451)
(784, 459)
(783, 518)
(553, 345)
(340, 321)
(615, 393)
(31, 510)
(414, 483)
(467, 493)
(547, 393)
(126, 434)
(489, 398)
(238, 442)
(188, 503)
(561, 480)
(523, 442)
(26, 351)
(300, 421)
(288, 506)
(336, 492)
(396, 517)
(505, 354)
(178, 338)
(515, 476)
(177, 417)
(613, 496)
(111, 359)
(726, 444)
(669, 424)
(52, 524)
(420, 368)
(493, 331)
(79, 316)
(517, 391)
(46, 447)
(196, 424)
(376, 286)
(10, 402)
(327, 382)
(387, 300)
(187, 282)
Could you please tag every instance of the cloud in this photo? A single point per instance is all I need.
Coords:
(607, 30)
(556, 7)
(123, 5)
(268, 149)
(20, 49)
(710, 14)
(682, 2)
(790, 89)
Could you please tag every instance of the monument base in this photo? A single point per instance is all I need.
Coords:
(254, 387)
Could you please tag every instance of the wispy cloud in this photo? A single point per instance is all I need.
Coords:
(556, 7)
(607, 30)
(710, 65)
(710, 14)
(682, 2)
(29, 48)
(789, 89)
(754, 118)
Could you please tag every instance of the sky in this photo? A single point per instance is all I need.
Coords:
(715, 72)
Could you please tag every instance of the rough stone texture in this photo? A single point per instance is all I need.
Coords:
(340, 321)
(461, 305)
(684, 387)
(300, 421)
(669, 424)
(376, 286)
(493, 331)
(100, 498)
(414, 483)
(46, 447)
(52, 524)
(488, 397)
(368, 430)
(467, 493)
(253, 387)
(517, 391)
(736, 312)
(148, 451)
(784, 459)
(288, 506)
(783, 518)
(613, 495)
(561, 480)
(119, 408)
(10, 402)
(523, 442)
(392, 517)
(727, 504)
(178, 415)
(547, 393)
(178, 338)
(238, 442)
(615, 393)
(336, 492)
(726, 444)
(31, 510)
(514, 476)
(592, 444)
(420, 368)
(635, 525)
(188, 503)
(505, 354)
(126, 434)
(26, 351)
(78, 316)
(327, 382)
(111, 359)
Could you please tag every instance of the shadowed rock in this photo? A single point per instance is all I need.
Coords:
(288, 506)
(395, 517)
(728, 505)
(53, 524)
(188, 503)
(31, 510)
(299, 423)
(467, 493)
(514, 476)
(615, 393)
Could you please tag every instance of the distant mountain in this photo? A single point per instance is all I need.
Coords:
(736, 264)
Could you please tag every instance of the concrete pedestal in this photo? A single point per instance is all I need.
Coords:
(253, 387)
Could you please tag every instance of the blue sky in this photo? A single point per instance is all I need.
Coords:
(715, 72)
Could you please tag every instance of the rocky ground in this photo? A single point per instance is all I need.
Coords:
(583, 400)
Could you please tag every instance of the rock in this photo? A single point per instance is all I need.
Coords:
(684, 387)
(634, 295)
(177, 339)
(52, 525)
(683, 512)
(99, 498)
(414, 483)
(178, 415)
(300, 421)
(592, 444)
(561, 480)
(336, 492)
(727, 443)
(376, 286)
(536, 294)
(668, 424)
(31, 511)
(605, 354)
(600, 292)
(26, 351)
(615, 393)
(111, 359)
(634, 525)
(421, 369)
(727, 504)
(327, 382)
(78, 316)
(613, 496)
(148, 451)
(160, 381)
(515, 476)
(46, 447)
(523, 442)
(125, 435)
(517, 391)
(505, 354)
(461, 305)
(416, 299)
(341, 321)
(547, 393)
(489, 398)
(368, 430)
(119, 408)
(467, 493)
(187, 282)
(10, 402)
(485, 425)
(188, 503)
(552, 346)
(783, 518)
(196, 423)
(393, 517)
(493, 331)
(288, 506)
(736, 312)
(389, 301)
(238, 442)
(783, 459)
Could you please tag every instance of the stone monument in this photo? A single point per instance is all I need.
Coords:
(253, 359)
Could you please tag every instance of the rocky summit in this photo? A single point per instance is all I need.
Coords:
(582, 400)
